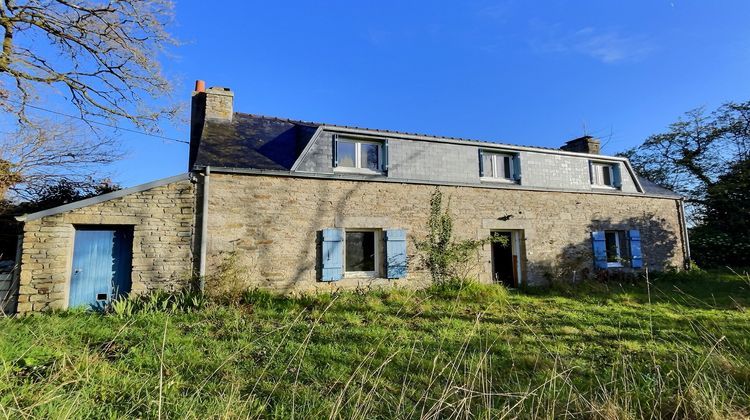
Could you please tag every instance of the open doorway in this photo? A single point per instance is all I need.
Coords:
(506, 261)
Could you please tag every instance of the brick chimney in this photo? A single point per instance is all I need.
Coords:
(585, 144)
(212, 104)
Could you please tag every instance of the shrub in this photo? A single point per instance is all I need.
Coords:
(158, 301)
(718, 249)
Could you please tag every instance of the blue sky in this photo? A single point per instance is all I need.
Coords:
(513, 71)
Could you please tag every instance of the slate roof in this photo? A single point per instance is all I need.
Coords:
(272, 143)
(655, 189)
(252, 141)
(263, 142)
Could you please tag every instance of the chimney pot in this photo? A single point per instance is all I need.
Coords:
(200, 86)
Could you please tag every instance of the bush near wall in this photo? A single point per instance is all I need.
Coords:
(710, 248)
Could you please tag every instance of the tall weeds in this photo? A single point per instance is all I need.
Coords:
(483, 353)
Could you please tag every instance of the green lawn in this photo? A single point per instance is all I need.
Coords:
(594, 350)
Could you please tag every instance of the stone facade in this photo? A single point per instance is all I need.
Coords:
(267, 230)
(270, 225)
(163, 224)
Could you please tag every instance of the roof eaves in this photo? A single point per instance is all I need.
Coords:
(102, 198)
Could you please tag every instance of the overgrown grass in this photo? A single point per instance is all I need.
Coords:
(678, 347)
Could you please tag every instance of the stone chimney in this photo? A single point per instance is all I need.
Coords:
(585, 144)
(212, 104)
(219, 104)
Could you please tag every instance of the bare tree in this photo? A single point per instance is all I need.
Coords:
(101, 56)
(46, 152)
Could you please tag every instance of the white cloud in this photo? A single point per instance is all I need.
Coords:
(497, 11)
(607, 46)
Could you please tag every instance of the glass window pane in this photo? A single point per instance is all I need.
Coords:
(597, 174)
(506, 167)
(370, 156)
(487, 164)
(606, 178)
(624, 244)
(612, 250)
(345, 153)
(360, 251)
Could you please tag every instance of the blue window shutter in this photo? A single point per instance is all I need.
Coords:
(616, 176)
(395, 253)
(334, 141)
(385, 155)
(517, 167)
(636, 258)
(600, 249)
(481, 163)
(332, 256)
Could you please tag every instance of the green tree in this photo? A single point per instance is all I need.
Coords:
(695, 151)
(723, 235)
(704, 157)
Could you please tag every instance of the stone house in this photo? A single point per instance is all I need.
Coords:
(298, 207)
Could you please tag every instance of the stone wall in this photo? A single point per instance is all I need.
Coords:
(163, 224)
(270, 226)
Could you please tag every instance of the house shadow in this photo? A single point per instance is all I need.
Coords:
(575, 262)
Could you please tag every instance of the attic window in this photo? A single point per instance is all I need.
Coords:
(601, 174)
(494, 166)
(605, 175)
(355, 155)
(498, 166)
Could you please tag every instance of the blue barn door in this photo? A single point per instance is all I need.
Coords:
(101, 266)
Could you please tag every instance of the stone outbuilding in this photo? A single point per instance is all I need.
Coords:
(296, 206)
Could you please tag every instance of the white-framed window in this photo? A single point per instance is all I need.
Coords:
(498, 166)
(617, 247)
(602, 175)
(362, 254)
(354, 155)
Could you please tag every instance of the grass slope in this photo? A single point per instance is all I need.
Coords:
(677, 348)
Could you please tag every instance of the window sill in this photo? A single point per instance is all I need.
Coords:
(498, 180)
(604, 187)
(361, 171)
(614, 265)
(361, 275)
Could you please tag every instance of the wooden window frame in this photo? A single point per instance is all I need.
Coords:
(620, 247)
(595, 175)
(493, 173)
(357, 168)
(378, 233)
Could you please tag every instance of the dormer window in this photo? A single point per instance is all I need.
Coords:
(605, 175)
(602, 175)
(494, 166)
(356, 155)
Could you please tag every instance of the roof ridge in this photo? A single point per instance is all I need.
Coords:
(387, 131)
(289, 120)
